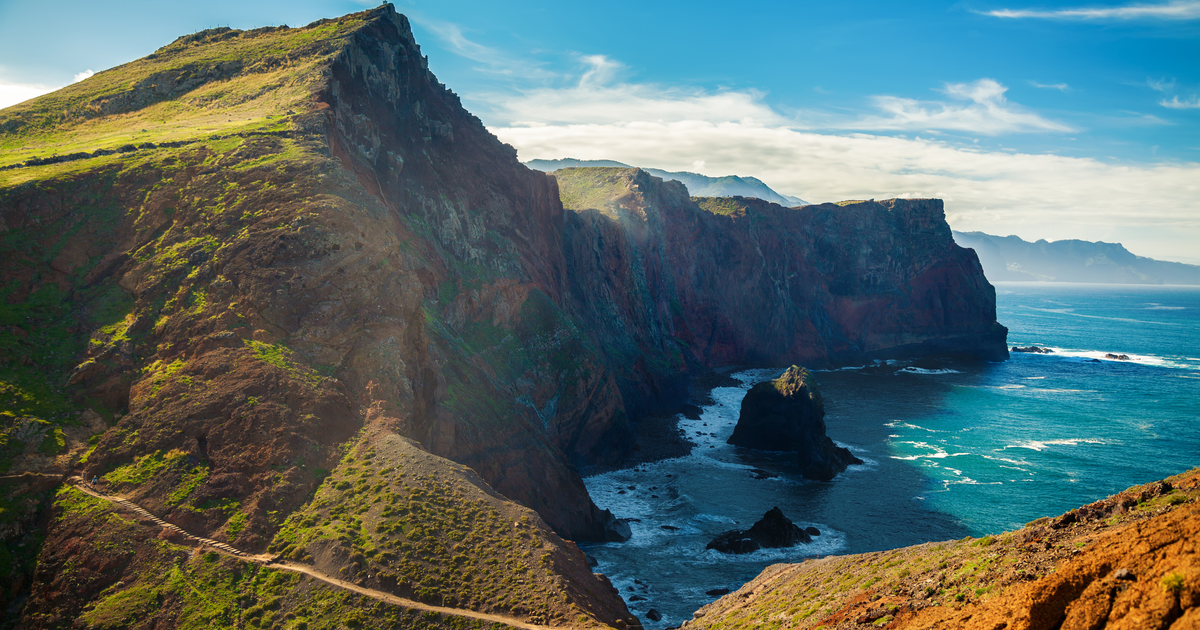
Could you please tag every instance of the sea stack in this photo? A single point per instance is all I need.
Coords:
(772, 531)
(787, 414)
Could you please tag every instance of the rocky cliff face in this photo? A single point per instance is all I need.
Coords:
(743, 281)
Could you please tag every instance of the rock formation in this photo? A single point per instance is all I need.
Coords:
(772, 531)
(309, 240)
(787, 414)
(724, 281)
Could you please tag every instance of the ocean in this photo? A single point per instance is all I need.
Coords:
(950, 449)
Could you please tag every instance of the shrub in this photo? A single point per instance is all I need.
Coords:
(1172, 582)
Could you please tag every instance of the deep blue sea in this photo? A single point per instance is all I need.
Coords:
(950, 449)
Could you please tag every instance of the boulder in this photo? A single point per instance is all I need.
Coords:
(772, 531)
(787, 415)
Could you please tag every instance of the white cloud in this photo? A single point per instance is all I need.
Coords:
(594, 100)
(494, 61)
(83, 75)
(987, 112)
(1004, 192)
(13, 93)
(1175, 103)
(1161, 85)
(1175, 10)
(1061, 87)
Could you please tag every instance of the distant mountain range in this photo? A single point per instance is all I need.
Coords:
(1011, 258)
(698, 185)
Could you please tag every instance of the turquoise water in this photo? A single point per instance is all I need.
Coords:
(950, 449)
(1040, 434)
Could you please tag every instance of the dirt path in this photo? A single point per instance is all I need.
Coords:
(272, 561)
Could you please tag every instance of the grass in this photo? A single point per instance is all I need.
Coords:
(724, 206)
(392, 511)
(162, 584)
(594, 188)
(257, 77)
(283, 358)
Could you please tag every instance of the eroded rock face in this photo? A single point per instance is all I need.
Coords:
(772, 531)
(747, 282)
(787, 414)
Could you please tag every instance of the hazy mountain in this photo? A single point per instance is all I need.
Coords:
(1011, 258)
(698, 185)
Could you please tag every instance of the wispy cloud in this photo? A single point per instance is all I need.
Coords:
(83, 75)
(597, 98)
(1167, 87)
(1061, 87)
(493, 60)
(1161, 85)
(1175, 103)
(1174, 10)
(979, 107)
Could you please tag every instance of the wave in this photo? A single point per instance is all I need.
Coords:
(917, 370)
(1041, 445)
(938, 452)
(896, 423)
(1068, 311)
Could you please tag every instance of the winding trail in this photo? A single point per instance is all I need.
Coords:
(274, 562)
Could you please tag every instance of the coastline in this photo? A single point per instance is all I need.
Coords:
(658, 437)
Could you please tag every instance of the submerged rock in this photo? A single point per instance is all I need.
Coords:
(1033, 349)
(787, 415)
(772, 531)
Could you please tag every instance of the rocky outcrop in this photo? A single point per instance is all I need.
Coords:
(787, 414)
(772, 531)
(1033, 349)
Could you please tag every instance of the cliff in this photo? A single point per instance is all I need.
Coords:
(1011, 258)
(787, 414)
(236, 261)
(1128, 561)
(745, 282)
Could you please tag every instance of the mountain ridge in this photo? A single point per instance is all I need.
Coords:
(1014, 259)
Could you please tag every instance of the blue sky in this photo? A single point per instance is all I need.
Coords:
(1046, 120)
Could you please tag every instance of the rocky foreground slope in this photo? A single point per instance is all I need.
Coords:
(236, 266)
(1131, 561)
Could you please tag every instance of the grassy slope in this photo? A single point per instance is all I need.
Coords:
(593, 188)
(165, 584)
(259, 76)
(420, 526)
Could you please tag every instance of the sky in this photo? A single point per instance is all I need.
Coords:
(1048, 120)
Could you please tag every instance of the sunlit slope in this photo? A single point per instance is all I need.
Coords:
(218, 81)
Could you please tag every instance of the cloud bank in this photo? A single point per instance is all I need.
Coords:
(1153, 208)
